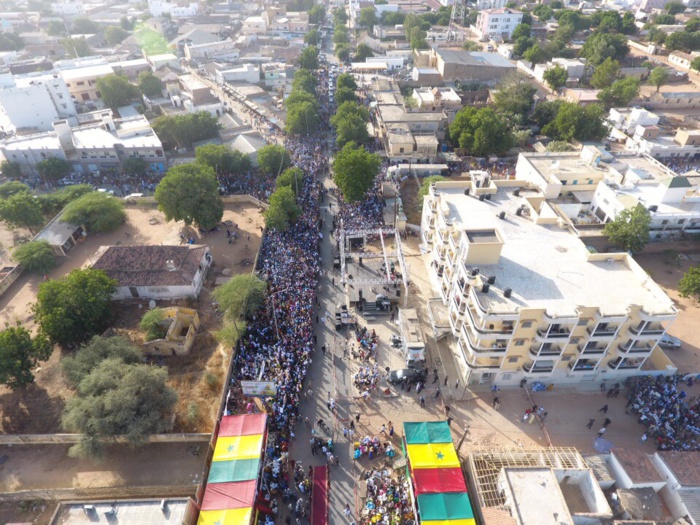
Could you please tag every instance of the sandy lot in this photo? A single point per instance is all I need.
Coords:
(37, 408)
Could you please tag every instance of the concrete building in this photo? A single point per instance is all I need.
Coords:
(627, 119)
(437, 99)
(526, 299)
(575, 69)
(633, 469)
(465, 66)
(68, 8)
(249, 73)
(182, 9)
(181, 329)
(254, 25)
(673, 100)
(62, 236)
(225, 49)
(682, 490)
(499, 23)
(155, 272)
(409, 135)
(649, 140)
(483, 5)
(102, 143)
(683, 60)
(647, 6)
(82, 81)
(168, 511)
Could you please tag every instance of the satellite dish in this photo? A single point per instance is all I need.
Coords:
(151, 304)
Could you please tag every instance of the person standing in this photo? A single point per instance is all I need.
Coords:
(422, 401)
(607, 421)
(590, 423)
(601, 432)
(347, 510)
(643, 438)
(604, 409)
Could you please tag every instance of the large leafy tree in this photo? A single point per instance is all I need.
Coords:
(283, 209)
(576, 122)
(223, 159)
(342, 51)
(184, 130)
(308, 59)
(605, 74)
(13, 187)
(304, 80)
(35, 256)
(19, 354)
(291, 178)
(114, 34)
(317, 14)
(630, 229)
(75, 307)
(340, 16)
(78, 366)
(368, 17)
(346, 80)
(83, 26)
(354, 171)
(480, 131)
(350, 122)
(241, 296)
(658, 77)
(556, 77)
(537, 54)
(99, 211)
(117, 399)
(600, 46)
(116, 90)
(343, 95)
(52, 203)
(190, 193)
(273, 159)
(302, 119)
(150, 85)
(515, 95)
(313, 37)
(522, 30)
(363, 52)
(689, 285)
(53, 169)
(621, 93)
(11, 170)
(21, 210)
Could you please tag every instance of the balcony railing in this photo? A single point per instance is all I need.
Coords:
(475, 321)
(588, 350)
(472, 362)
(619, 364)
(538, 350)
(609, 331)
(494, 348)
(648, 330)
(582, 367)
(635, 347)
(530, 368)
(547, 333)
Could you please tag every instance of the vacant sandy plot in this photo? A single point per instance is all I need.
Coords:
(37, 408)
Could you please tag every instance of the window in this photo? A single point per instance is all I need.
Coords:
(681, 221)
(563, 183)
(519, 342)
(582, 322)
(575, 182)
(664, 221)
(526, 324)
(513, 359)
(80, 83)
(566, 358)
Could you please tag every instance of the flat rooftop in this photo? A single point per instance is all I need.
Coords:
(547, 266)
(567, 167)
(130, 512)
(538, 498)
(637, 465)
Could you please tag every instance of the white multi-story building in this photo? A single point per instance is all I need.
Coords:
(34, 102)
(524, 296)
(254, 25)
(103, 143)
(175, 9)
(68, 8)
(498, 23)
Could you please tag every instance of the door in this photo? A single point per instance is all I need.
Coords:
(134, 291)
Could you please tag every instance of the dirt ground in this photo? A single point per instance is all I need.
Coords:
(409, 196)
(666, 270)
(37, 408)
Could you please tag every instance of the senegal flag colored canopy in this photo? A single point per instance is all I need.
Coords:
(445, 507)
(225, 517)
(433, 455)
(433, 480)
(238, 447)
(427, 432)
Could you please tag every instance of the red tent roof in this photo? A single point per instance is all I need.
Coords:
(243, 425)
(223, 496)
(432, 480)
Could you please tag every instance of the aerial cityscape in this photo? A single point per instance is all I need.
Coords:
(350, 262)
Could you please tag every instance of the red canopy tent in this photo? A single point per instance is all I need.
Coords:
(319, 496)
(434, 480)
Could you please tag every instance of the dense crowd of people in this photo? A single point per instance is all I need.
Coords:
(388, 500)
(682, 166)
(671, 418)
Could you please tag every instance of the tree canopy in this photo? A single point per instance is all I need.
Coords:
(556, 77)
(150, 85)
(304, 80)
(346, 80)
(11, 170)
(600, 46)
(292, 178)
(273, 159)
(283, 209)
(21, 210)
(605, 74)
(312, 38)
(630, 229)
(480, 131)
(152, 325)
(241, 296)
(52, 203)
(363, 52)
(75, 307)
(35, 256)
(116, 90)
(658, 77)
(368, 17)
(350, 122)
(689, 285)
(223, 159)
(53, 169)
(308, 59)
(78, 366)
(354, 171)
(13, 187)
(515, 94)
(190, 193)
(317, 14)
(114, 34)
(83, 26)
(302, 119)
(342, 51)
(577, 122)
(184, 130)
(621, 93)
(99, 211)
(19, 354)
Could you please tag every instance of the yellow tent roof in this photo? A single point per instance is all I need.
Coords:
(225, 517)
(238, 447)
(432, 455)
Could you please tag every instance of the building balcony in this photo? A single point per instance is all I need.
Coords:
(492, 330)
(583, 365)
(480, 362)
(648, 330)
(539, 367)
(635, 347)
(478, 346)
(625, 363)
(539, 350)
(552, 333)
(591, 350)
(602, 333)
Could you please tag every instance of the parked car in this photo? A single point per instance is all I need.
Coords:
(411, 375)
(668, 342)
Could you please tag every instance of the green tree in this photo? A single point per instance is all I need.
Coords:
(559, 146)
(75, 307)
(190, 193)
(576, 122)
(56, 27)
(283, 209)
(304, 80)
(390, 18)
(628, 26)
(312, 38)
(302, 119)
(297, 97)
(664, 19)
(605, 74)
(354, 171)
(126, 24)
(114, 34)
(290, 178)
(78, 366)
(521, 31)
(19, 354)
(674, 8)
(418, 39)
(425, 186)
(693, 25)
(152, 324)
(150, 85)
(116, 90)
(543, 12)
(76, 47)
(273, 159)
(309, 58)
(223, 159)
(10, 170)
(53, 169)
(621, 93)
(241, 296)
(470, 45)
(514, 94)
(695, 64)
(52, 203)
(682, 40)
(134, 166)
(600, 46)
(340, 16)
(689, 285)
(35, 256)
(342, 51)
(536, 54)
(368, 17)
(363, 52)
(11, 188)
(184, 130)
(21, 210)
(630, 229)
(10, 42)
(545, 112)
(480, 131)
(556, 77)
(350, 122)
(344, 95)
(99, 211)
(118, 400)
(317, 14)
(340, 35)
(346, 80)
(658, 77)
(83, 26)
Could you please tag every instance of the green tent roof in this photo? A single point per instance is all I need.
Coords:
(234, 470)
(427, 432)
(445, 506)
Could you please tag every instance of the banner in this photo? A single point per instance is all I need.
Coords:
(259, 388)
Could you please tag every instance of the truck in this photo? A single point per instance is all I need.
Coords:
(412, 339)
